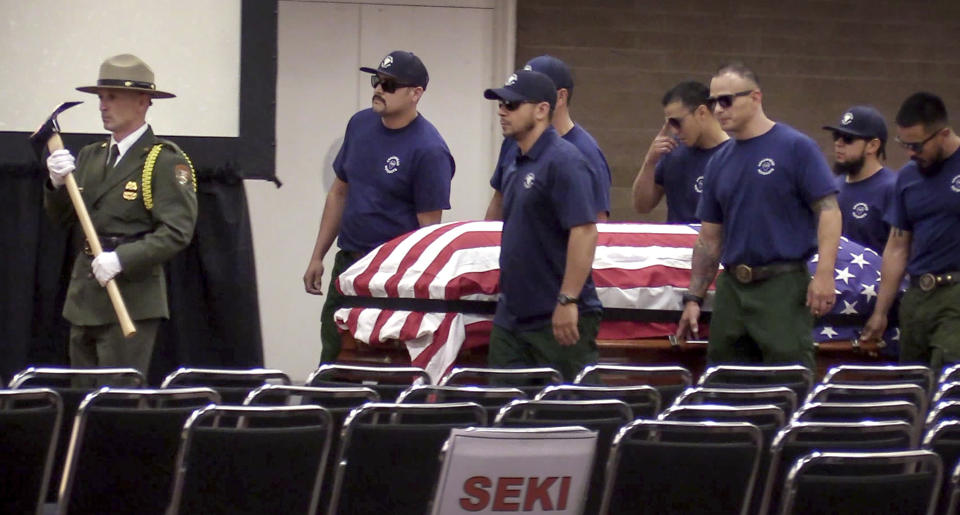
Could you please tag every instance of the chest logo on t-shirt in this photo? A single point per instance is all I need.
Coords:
(528, 180)
(393, 164)
(698, 185)
(766, 166)
(955, 184)
(860, 210)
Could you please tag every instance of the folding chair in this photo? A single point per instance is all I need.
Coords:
(528, 380)
(492, 398)
(868, 374)
(795, 377)
(248, 468)
(767, 417)
(943, 438)
(389, 455)
(387, 381)
(668, 380)
(950, 373)
(29, 423)
(856, 412)
(605, 416)
(682, 467)
(644, 400)
(801, 438)
(119, 434)
(947, 391)
(232, 385)
(953, 503)
(779, 396)
(73, 385)
(873, 392)
(895, 483)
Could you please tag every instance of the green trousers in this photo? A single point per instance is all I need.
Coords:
(930, 326)
(103, 346)
(329, 334)
(763, 322)
(538, 348)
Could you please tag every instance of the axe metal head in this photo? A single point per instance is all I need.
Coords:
(49, 127)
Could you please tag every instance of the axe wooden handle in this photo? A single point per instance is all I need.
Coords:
(126, 324)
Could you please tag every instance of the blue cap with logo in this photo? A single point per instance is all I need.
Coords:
(525, 86)
(557, 70)
(862, 122)
(404, 67)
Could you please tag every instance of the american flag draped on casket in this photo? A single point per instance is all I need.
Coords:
(435, 288)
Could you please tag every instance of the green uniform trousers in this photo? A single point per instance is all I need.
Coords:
(103, 346)
(762, 322)
(329, 334)
(538, 348)
(930, 326)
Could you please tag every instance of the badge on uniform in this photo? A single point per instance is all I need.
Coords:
(182, 172)
(130, 190)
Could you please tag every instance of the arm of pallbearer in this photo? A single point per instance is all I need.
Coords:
(580, 250)
(704, 266)
(495, 209)
(329, 227)
(895, 257)
(821, 292)
(646, 192)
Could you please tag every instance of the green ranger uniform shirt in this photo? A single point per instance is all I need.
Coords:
(157, 211)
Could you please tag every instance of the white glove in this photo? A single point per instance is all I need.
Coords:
(105, 267)
(60, 163)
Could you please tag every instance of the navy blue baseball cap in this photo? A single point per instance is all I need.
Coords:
(525, 86)
(554, 68)
(404, 67)
(862, 122)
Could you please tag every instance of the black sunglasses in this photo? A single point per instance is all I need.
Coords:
(387, 84)
(511, 105)
(726, 101)
(847, 138)
(677, 122)
(917, 147)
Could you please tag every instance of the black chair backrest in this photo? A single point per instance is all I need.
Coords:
(528, 380)
(251, 468)
(669, 380)
(119, 434)
(394, 450)
(801, 438)
(796, 377)
(950, 373)
(871, 374)
(943, 438)
(492, 398)
(943, 410)
(896, 482)
(767, 417)
(644, 400)
(946, 391)
(953, 502)
(233, 385)
(29, 424)
(779, 396)
(682, 467)
(387, 381)
(859, 411)
(871, 392)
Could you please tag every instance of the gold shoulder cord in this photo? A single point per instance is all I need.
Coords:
(147, 176)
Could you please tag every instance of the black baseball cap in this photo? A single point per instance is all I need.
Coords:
(404, 67)
(557, 70)
(525, 86)
(861, 122)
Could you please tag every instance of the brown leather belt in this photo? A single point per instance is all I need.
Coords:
(929, 282)
(110, 243)
(746, 274)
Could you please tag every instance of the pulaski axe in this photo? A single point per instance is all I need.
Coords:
(48, 135)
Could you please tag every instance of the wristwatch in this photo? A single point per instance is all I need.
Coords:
(689, 297)
(563, 299)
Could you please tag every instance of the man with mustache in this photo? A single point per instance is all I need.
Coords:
(866, 186)
(924, 238)
(393, 176)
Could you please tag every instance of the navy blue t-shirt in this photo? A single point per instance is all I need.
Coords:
(545, 193)
(761, 190)
(393, 174)
(929, 207)
(863, 205)
(598, 165)
(680, 174)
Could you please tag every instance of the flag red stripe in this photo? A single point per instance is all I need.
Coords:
(439, 341)
(468, 240)
(473, 282)
(651, 276)
(413, 255)
(624, 239)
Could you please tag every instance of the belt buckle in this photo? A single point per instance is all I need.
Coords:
(743, 273)
(927, 282)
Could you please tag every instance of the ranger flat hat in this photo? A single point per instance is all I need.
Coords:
(126, 71)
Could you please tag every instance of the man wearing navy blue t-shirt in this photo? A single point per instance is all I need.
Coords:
(924, 238)
(769, 203)
(393, 176)
(679, 153)
(600, 178)
(866, 186)
(548, 313)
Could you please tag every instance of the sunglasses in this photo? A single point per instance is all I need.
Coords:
(387, 84)
(510, 105)
(725, 101)
(847, 138)
(677, 122)
(917, 147)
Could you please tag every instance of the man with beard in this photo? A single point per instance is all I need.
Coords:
(866, 186)
(674, 164)
(769, 203)
(548, 313)
(924, 238)
(393, 176)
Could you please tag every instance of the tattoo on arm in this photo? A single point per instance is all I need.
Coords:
(898, 232)
(706, 260)
(825, 204)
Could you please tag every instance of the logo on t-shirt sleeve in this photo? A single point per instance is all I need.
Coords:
(393, 164)
(766, 166)
(860, 210)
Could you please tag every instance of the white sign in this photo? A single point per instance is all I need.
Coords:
(497, 470)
